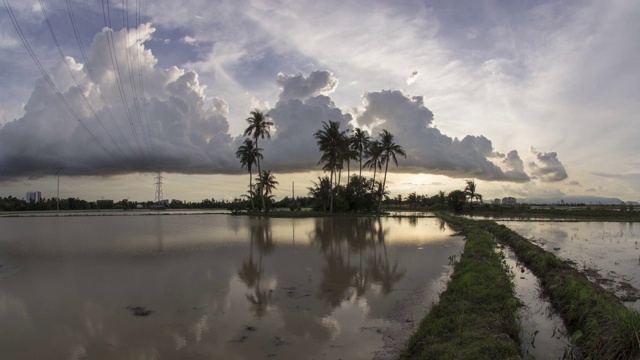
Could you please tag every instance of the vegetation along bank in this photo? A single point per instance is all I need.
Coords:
(602, 327)
(476, 316)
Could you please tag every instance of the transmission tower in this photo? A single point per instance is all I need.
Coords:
(159, 188)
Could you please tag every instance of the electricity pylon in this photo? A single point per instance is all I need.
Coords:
(158, 178)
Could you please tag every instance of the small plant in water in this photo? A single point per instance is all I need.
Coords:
(452, 260)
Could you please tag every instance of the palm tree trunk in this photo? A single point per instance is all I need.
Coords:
(264, 207)
(373, 186)
(384, 183)
(253, 207)
(331, 191)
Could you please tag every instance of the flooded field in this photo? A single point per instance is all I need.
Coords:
(217, 286)
(609, 252)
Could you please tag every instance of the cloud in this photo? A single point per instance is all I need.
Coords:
(428, 150)
(591, 190)
(302, 87)
(548, 167)
(293, 148)
(623, 176)
(176, 128)
(574, 183)
(188, 40)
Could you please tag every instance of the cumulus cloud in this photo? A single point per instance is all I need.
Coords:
(428, 150)
(574, 183)
(174, 129)
(169, 124)
(302, 87)
(547, 167)
(293, 148)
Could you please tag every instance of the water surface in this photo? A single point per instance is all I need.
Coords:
(608, 251)
(218, 286)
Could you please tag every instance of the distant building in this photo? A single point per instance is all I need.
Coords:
(497, 201)
(509, 201)
(33, 196)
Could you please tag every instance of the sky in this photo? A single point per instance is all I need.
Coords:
(528, 98)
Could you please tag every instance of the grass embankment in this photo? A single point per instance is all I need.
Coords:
(476, 315)
(602, 327)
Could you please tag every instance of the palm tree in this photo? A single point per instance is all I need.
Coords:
(470, 192)
(249, 155)
(359, 143)
(412, 199)
(321, 191)
(259, 127)
(329, 140)
(389, 151)
(374, 154)
(268, 182)
(345, 154)
(442, 197)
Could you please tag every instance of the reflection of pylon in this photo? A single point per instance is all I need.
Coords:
(159, 188)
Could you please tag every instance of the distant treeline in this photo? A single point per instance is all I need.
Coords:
(11, 203)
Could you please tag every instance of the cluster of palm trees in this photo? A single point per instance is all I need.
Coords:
(458, 198)
(339, 149)
(250, 154)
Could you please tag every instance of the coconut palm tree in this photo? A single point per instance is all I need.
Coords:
(321, 192)
(470, 192)
(329, 140)
(268, 182)
(442, 197)
(259, 127)
(345, 154)
(249, 154)
(374, 155)
(359, 142)
(389, 152)
(412, 199)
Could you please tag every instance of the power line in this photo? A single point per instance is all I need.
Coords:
(125, 22)
(116, 68)
(46, 76)
(62, 57)
(92, 74)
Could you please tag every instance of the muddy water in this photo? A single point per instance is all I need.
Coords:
(543, 334)
(608, 251)
(216, 286)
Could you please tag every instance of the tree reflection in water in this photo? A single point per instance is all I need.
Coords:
(251, 273)
(363, 235)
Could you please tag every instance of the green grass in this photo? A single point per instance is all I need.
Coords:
(476, 316)
(605, 328)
